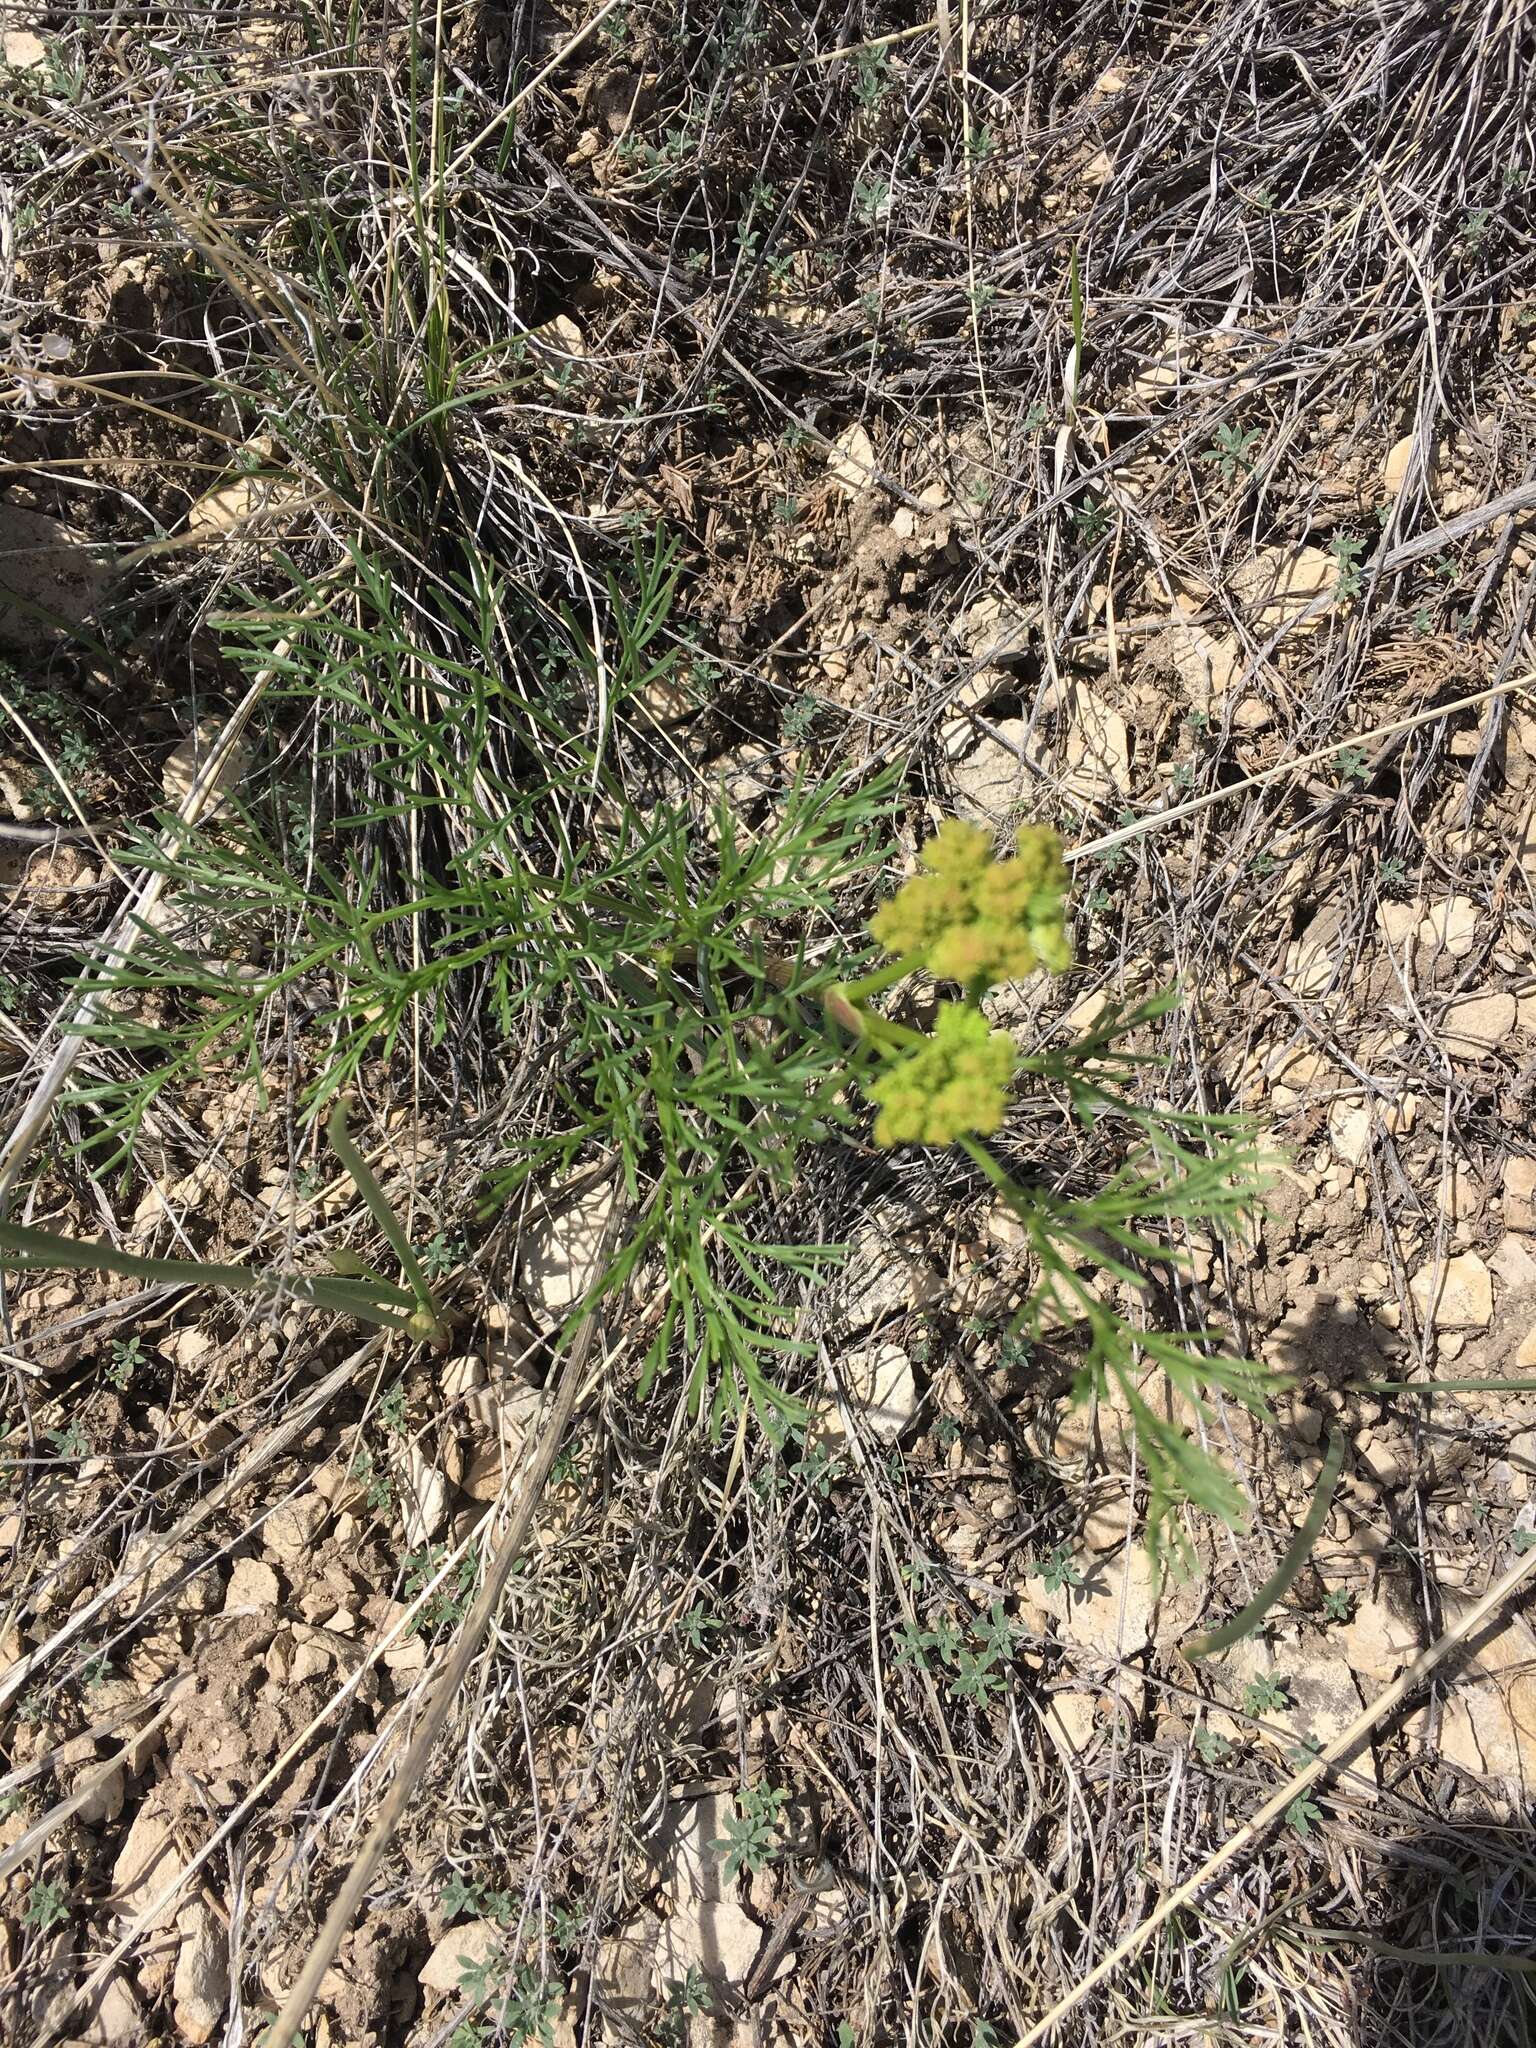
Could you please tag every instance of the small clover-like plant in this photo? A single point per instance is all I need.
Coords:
(698, 1625)
(460, 1895)
(977, 1677)
(127, 1356)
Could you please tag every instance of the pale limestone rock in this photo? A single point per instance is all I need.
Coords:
(1278, 585)
(690, 1865)
(1108, 1524)
(1349, 1130)
(1111, 1612)
(1399, 924)
(289, 1532)
(477, 1941)
(562, 1251)
(1394, 470)
(852, 462)
(884, 1275)
(187, 761)
(1073, 1717)
(717, 1937)
(1098, 747)
(247, 505)
(1463, 1299)
(1450, 926)
(1477, 1026)
(881, 1396)
(201, 1987)
(423, 1497)
(1489, 1722)
(52, 580)
(1378, 1641)
(147, 1863)
(20, 50)
(251, 1584)
(991, 783)
(114, 2019)
(621, 1981)
(1513, 1259)
(1309, 963)
(994, 629)
(1520, 1194)
(1208, 665)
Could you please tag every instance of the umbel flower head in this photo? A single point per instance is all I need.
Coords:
(954, 1085)
(977, 920)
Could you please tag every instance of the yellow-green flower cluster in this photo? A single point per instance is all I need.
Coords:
(954, 1085)
(977, 920)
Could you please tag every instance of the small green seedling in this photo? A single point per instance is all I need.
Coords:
(1265, 1694)
(1057, 1570)
(751, 1838)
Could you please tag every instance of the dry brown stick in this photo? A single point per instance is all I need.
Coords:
(1292, 1789)
(412, 1766)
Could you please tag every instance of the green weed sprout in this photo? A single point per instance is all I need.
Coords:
(974, 920)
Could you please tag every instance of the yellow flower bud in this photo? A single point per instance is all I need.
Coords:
(977, 920)
(953, 1085)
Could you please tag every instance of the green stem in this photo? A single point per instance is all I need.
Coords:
(368, 1300)
(378, 1203)
(857, 992)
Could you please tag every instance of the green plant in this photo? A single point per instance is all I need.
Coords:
(1338, 1603)
(1346, 550)
(872, 78)
(1303, 1814)
(447, 1605)
(1522, 1540)
(1265, 1694)
(751, 1837)
(872, 200)
(1353, 764)
(980, 142)
(973, 920)
(1214, 1748)
(441, 1253)
(1091, 520)
(1231, 451)
(817, 1468)
(688, 1998)
(71, 1441)
(1058, 1570)
(47, 1904)
(698, 1625)
(127, 1356)
(977, 1678)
